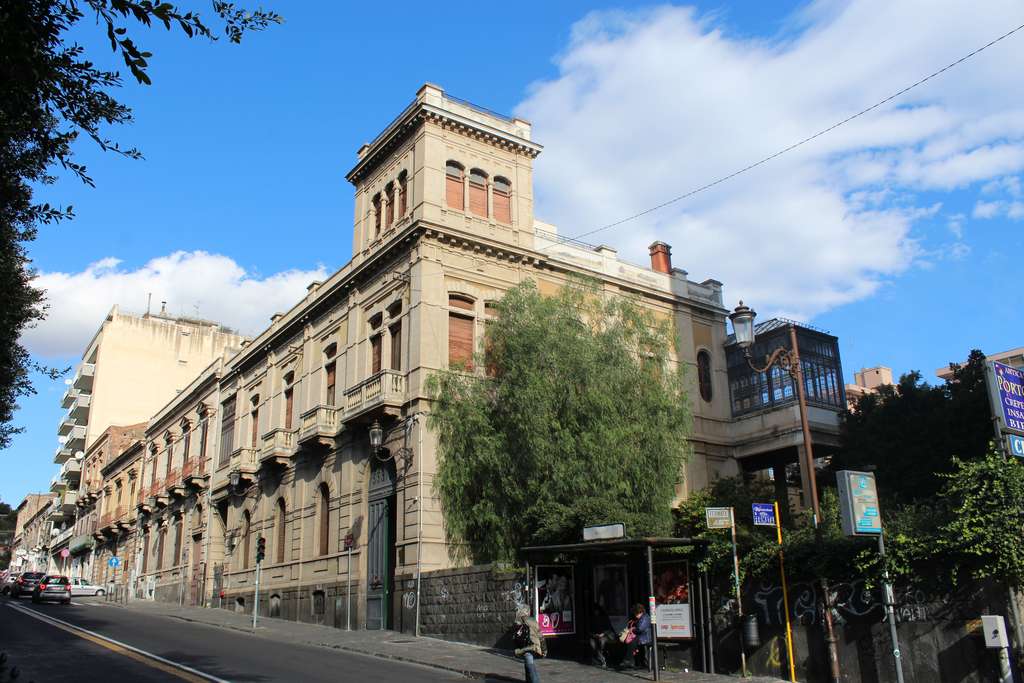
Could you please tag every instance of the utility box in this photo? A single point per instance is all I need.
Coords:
(994, 627)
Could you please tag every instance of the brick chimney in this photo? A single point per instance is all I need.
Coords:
(661, 257)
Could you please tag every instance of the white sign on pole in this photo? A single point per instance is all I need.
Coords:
(718, 518)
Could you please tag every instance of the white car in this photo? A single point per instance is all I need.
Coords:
(83, 587)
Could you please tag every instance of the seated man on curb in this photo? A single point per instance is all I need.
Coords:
(529, 644)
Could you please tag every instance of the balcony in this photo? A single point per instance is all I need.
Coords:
(157, 494)
(83, 378)
(65, 425)
(57, 485)
(193, 473)
(69, 398)
(64, 453)
(246, 461)
(76, 438)
(173, 484)
(320, 426)
(80, 408)
(121, 519)
(143, 504)
(385, 390)
(71, 472)
(106, 525)
(278, 446)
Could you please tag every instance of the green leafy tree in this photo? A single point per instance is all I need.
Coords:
(910, 432)
(51, 92)
(581, 419)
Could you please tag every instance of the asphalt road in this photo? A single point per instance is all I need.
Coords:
(45, 652)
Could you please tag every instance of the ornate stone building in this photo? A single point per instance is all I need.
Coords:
(314, 436)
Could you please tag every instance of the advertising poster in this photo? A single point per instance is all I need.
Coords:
(1007, 395)
(610, 593)
(672, 595)
(554, 600)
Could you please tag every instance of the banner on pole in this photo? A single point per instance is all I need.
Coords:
(718, 518)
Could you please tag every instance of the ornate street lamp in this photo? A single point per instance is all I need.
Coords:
(234, 478)
(376, 436)
(742, 319)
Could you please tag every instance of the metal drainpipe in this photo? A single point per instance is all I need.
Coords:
(419, 515)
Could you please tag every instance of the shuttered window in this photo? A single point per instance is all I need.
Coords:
(396, 346)
(502, 198)
(390, 211)
(478, 193)
(227, 431)
(203, 424)
(255, 417)
(160, 549)
(376, 215)
(289, 406)
(403, 189)
(187, 439)
(460, 341)
(177, 544)
(324, 519)
(145, 552)
(282, 536)
(330, 370)
(246, 539)
(375, 343)
(453, 186)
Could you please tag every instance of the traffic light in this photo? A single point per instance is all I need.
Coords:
(261, 549)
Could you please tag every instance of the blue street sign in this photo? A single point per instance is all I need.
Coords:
(114, 562)
(764, 514)
(1016, 445)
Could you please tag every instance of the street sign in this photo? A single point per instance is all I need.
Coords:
(1006, 388)
(858, 503)
(114, 562)
(64, 552)
(1016, 444)
(764, 514)
(718, 518)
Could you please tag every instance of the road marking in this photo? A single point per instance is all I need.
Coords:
(182, 671)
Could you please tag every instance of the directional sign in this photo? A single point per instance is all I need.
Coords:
(1016, 444)
(858, 503)
(718, 518)
(764, 514)
(114, 562)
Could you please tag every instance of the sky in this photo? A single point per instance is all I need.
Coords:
(899, 232)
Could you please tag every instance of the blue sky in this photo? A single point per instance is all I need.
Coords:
(899, 233)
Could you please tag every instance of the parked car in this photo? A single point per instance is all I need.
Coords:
(12, 578)
(53, 588)
(26, 583)
(81, 586)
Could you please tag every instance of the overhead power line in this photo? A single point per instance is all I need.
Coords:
(801, 142)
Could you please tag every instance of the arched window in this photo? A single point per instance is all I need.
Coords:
(453, 186)
(246, 539)
(289, 399)
(389, 212)
(403, 193)
(376, 215)
(478, 192)
(704, 374)
(502, 194)
(460, 331)
(323, 519)
(282, 536)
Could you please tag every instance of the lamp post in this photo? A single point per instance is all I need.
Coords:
(742, 319)
(376, 436)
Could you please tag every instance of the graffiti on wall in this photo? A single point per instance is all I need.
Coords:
(852, 601)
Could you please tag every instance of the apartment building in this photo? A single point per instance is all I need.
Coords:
(313, 436)
(21, 544)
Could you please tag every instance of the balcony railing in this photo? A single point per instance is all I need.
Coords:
(80, 408)
(71, 471)
(174, 484)
(319, 425)
(121, 517)
(245, 459)
(69, 397)
(83, 378)
(194, 471)
(278, 446)
(64, 453)
(76, 438)
(387, 387)
(106, 522)
(65, 425)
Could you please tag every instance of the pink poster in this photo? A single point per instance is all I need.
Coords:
(554, 600)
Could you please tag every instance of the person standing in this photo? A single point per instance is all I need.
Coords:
(529, 644)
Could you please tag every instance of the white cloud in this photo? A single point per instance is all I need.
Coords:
(650, 104)
(1012, 210)
(211, 286)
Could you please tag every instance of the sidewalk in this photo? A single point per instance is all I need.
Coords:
(468, 660)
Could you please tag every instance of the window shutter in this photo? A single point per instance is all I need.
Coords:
(330, 384)
(391, 209)
(375, 354)
(502, 207)
(145, 552)
(478, 199)
(227, 432)
(255, 427)
(402, 191)
(325, 520)
(281, 531)
(289, 404)
(396, 347)
(453, 192)
(460, 341)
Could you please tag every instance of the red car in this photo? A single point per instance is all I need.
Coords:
(53, 588)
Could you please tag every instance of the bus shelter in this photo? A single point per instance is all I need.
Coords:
(607, 576)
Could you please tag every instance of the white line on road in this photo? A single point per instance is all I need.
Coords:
(55, 621)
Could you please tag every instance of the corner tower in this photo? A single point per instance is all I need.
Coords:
(446, 162)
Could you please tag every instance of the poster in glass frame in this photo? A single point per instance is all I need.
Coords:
(553, 599)
(611, 593)
(672, 596)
